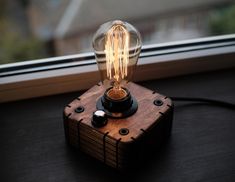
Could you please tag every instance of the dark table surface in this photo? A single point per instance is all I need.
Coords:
(201, 147)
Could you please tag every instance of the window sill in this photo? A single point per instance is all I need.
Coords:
(157, 61)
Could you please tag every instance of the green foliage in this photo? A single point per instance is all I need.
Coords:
(223, 21)
(15, 47)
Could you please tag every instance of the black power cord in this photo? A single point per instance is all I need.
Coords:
(205, 100)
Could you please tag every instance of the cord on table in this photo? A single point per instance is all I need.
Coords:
(205, 100)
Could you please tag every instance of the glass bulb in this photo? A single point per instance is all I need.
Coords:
(117, 46)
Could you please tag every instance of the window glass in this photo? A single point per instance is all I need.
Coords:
(34, 29)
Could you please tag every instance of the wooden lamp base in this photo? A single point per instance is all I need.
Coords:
(122, 142)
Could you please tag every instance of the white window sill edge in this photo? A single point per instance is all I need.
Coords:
(65, 80)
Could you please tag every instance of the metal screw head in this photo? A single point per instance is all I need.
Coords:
(79, 109)
(123, 131)
(158, 102)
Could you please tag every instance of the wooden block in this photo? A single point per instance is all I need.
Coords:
(148, 127)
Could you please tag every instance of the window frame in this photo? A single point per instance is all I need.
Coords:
(79, 72)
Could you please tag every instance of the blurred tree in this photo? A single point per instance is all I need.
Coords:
(223, 21)
(13, 46)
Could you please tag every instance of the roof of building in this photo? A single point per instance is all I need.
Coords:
(63, 17)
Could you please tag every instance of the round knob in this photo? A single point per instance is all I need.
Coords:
(99, 118)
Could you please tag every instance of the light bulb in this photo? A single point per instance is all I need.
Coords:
(117, 46)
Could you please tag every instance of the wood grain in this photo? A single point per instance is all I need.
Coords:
(201, 147)
(106, 143)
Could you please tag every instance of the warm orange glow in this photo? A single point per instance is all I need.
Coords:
(116, 94)
(117, 53)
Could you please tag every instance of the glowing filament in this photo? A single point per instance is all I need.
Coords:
(117, 52)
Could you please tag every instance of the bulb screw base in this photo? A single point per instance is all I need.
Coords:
(120, 108)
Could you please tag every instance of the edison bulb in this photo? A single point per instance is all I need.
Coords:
(117, 46)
